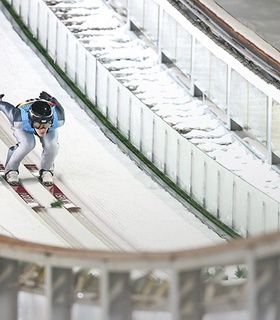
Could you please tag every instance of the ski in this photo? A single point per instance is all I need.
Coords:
(54, 189)
(24, 194)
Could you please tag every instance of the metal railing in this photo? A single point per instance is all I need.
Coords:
(237, 277)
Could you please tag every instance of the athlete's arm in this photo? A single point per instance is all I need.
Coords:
(11, 112)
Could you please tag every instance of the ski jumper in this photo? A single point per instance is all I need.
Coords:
(25, 135)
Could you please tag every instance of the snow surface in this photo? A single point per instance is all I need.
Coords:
(128, 210)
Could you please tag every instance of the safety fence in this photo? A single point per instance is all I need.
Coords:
(226, 196)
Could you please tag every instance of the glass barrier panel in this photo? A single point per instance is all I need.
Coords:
(137, 13)
(183, 50)
(218, 82)
(169, 34)
(238, 100)
(257, 114)
(151, 18)
(275, 140)
(202, 66)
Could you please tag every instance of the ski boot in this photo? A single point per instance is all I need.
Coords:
(12, 178)
(46, 178)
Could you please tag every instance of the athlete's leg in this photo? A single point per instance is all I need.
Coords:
(50, 150)
(25, 144)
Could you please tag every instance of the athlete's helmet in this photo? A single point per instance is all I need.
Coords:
(40, 111)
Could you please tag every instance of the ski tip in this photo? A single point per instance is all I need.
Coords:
(36, 206)
(72, 208)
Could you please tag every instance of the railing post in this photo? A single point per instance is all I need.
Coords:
(186, 295)
(120, 307)
(115, 295)
(190, 295)
(59, 293)
(62, 293)
(9, 274)
(268, 288)
(252, 287)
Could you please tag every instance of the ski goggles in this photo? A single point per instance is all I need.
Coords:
(38, 125)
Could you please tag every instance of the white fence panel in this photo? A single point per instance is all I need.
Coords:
(198, 175)
(41, 29)
(241, 206)
(51, 32)
(124, 113)
(71, 57)
(61, 46)
(112, 100)
(24, 11)
(102, 80)
(135, 122)
(172, 154)
(33, 23)
(272, 215)
(212, 186)
(225, 196)
(184, 164)
(90, 77)
(254, 213)
(159, 144)
(81, 67)
(256, 219)
(264, 214)
(16, 4)
(147, 133)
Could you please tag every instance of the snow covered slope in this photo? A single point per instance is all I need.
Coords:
(122, 207)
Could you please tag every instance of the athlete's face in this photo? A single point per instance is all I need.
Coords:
(41, 128)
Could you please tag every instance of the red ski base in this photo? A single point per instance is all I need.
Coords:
(24, 194)
(56, 192)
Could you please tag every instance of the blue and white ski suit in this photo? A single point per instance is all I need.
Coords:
(25, 135)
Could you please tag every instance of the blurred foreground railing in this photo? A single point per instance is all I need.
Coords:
(68, 284)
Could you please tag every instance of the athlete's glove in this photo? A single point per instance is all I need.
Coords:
(44, 95)
(1, 96)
